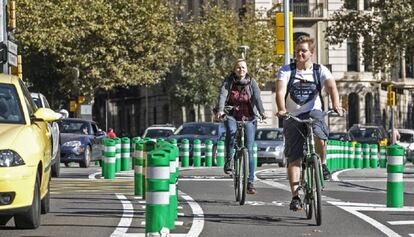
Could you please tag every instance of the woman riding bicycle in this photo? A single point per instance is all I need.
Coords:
(241, 92)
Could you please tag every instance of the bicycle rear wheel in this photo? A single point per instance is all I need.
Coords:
(236, 178)
(317, 197)
(244, 174)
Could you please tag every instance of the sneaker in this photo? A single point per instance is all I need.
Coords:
(326, 173)
(251, 189)
(295, 204)
(227, 166)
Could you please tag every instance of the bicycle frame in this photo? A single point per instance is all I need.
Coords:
(310, 151)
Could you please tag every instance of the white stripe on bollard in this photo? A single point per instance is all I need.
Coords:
(138, 169)
(173, 190)
(158, 172)
(158, 198)
(394, 177)
(110, 160)
(395, 160)
(173, 166)
(110, 148)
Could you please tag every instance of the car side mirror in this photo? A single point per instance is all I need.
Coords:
(100, 133)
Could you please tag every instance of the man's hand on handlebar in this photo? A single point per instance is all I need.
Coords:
(339, 110)
(281, 113)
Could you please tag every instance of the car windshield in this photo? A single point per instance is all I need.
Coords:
(37, 101)
(406, 137)
(338, 136)
(77, 127)
(197, 129)
(269, 135)
(10, 107)
(366, 133)
(155, 133)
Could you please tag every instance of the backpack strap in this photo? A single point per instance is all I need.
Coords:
(291, 78)
(317, 78)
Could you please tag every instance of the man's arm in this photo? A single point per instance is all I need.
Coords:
(280, 97)
(332, 90)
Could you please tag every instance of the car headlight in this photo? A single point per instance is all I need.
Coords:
(10, 158)
(72, 143)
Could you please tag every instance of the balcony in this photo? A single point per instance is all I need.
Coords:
(303, 10)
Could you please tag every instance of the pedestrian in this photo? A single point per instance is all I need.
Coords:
(111, 134)
(241, 91)
(298, 92)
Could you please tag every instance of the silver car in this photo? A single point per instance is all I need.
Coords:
(270, 146)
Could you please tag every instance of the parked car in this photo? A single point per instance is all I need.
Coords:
(159, 131)
(81, 141)
(270, 146)
(340, 136)
(407, 141)
(202, 131)
(41, 102)
(371, 134)
(25, 155)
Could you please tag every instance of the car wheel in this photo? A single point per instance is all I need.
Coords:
(56, 166)
(214, 155)
(283, 163)
(259, 164)
(31, 218)
(45, 204)
(86, 158)
(66, 164)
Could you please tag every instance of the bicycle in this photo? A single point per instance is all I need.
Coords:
(311, 181)
(240, 163)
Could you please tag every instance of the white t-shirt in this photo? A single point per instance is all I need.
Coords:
(315, 103)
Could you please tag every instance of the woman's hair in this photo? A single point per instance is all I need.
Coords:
(306, 39)
(238, 61)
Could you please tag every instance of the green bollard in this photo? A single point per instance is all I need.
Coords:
(358, 156)
(172, 151)
(395, 169)
(118, 154)
(373, 156)
(104, 149)
(220, 154)
(351, 155)
(135, 142)
(125, 153)
(185, 153)
(110, 159)
(177, 158)
(158, 192)
(365, 155)
(255, 154)
(138, 169)
(197, 153)
(149, 145)
(329, 154)
(383, 157)
(209, 153)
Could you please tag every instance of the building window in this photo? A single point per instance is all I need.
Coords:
(352, 56)
(351, 4)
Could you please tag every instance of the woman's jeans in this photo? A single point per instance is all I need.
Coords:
(249, 134)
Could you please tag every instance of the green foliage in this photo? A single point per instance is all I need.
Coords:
(387, 30)
(112, 43)
(209, 46)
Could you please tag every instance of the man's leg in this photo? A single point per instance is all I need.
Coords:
(293, 176)
(321, 150)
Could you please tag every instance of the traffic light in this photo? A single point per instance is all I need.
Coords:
(12, 14)
(18, 71)
(390, 96)
(73, 106)
(81, 99)
(280, 33)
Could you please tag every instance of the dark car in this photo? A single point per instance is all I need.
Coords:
(81, 141)
(340, 136)
(371, 134)
(270, 146)
(202, 131)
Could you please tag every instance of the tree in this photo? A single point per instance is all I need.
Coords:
(209, 46)
(110, 43)
(387, 30)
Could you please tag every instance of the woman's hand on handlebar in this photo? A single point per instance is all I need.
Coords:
(281, 113)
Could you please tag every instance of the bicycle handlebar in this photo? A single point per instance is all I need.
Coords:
(228, 108)
(310, 120)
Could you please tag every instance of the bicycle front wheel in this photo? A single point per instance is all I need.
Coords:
(305, 191)
(317, 198)
(244, 174)
(236, 176)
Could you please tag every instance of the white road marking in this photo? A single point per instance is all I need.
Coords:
(201, 179)
(401, 222)
(127, 216)
(336, 174)
(198, 220)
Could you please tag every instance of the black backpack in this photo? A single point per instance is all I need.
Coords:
(306, 97)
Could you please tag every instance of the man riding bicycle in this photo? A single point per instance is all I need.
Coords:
(241, 92)
(298, 92)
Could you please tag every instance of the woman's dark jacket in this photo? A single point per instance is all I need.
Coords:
(254, 94)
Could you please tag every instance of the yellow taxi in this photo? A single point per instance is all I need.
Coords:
(25, 155)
